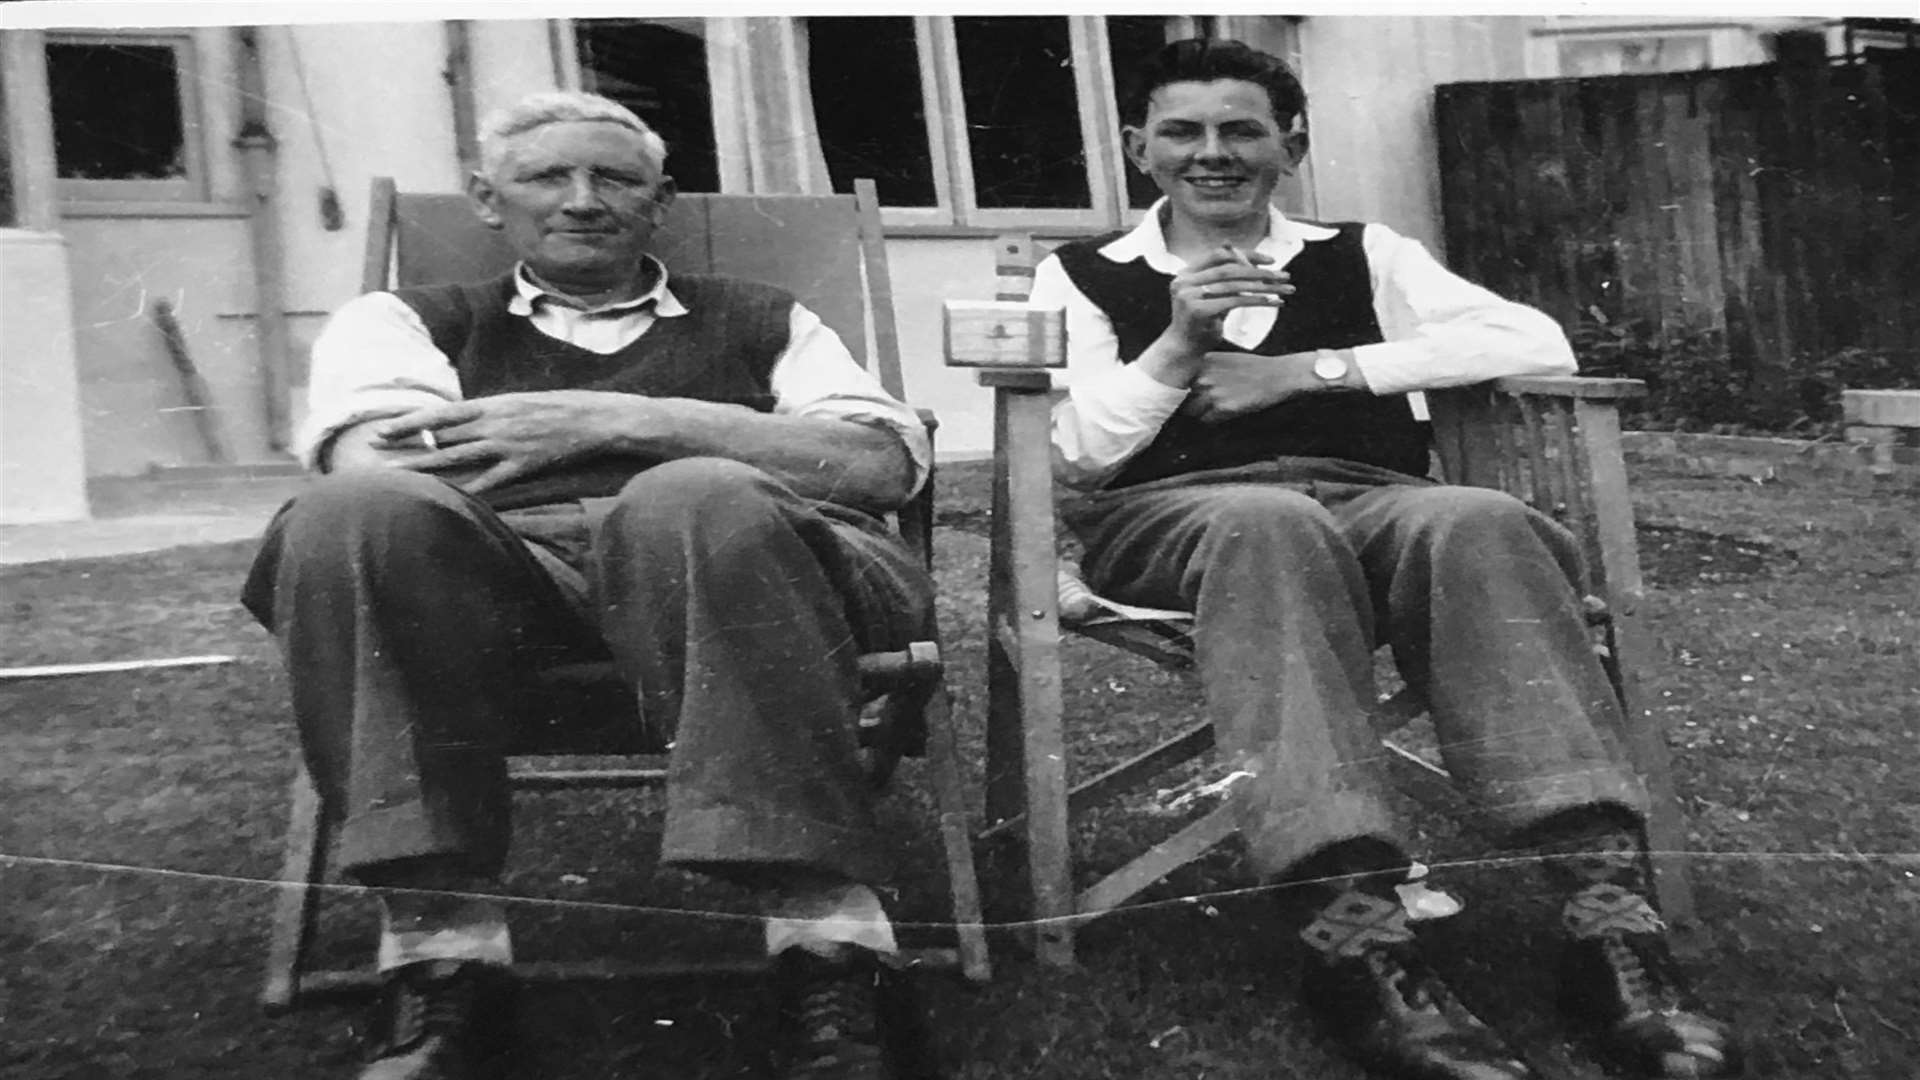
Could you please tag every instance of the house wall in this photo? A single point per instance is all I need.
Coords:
(376, 102)
(41, 463)
(380, 105)
(42, 475)
(1370, 83)
(926, 272)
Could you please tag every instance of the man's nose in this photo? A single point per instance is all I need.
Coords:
(1211, 145)
(583, 195)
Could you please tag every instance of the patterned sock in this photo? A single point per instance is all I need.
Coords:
(823, 919)
(417, 926)
(1600, 862)
(1356, 922)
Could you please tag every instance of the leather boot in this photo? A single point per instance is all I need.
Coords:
(1378, 998)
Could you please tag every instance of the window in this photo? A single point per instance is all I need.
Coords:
(126, 117)
(866, 77)
(1020, 99)
(657, 68)
(991, 121)
(1131, 39)
(1637, 55)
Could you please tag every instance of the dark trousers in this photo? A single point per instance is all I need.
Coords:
(411, 615)
(1297, 570)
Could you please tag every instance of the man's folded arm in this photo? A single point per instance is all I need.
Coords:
(371, 362)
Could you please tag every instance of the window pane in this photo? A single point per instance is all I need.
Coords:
(116, 112)
(1632, 56)
(1131, 39)
(868, 105)
(660, 72)
(1022, 112)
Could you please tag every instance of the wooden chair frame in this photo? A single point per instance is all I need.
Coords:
(414, 239)
(1552, 442)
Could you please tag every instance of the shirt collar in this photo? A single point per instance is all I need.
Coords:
(527, 293)
(1148, 241)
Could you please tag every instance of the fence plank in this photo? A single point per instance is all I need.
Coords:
(1763, 202)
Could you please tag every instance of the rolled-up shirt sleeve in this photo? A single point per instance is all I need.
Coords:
(1442, 330)
(1111, 410)
(372, 360)
(817, 377)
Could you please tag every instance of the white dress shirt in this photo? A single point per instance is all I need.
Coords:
(1440, 330)
(374, 359)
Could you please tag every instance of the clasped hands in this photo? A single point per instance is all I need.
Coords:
(1227, 384)
(485, 442)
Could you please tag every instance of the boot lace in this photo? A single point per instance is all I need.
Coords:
(1409, 977)
(834, 1014)
(418, 1009)
(1642, 979)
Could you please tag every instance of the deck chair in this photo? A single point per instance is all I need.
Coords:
(827, 250)
(1553, 442)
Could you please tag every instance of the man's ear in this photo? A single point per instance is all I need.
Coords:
(482, 194)
(663, 197)
(1294, 145)
(1133, 142)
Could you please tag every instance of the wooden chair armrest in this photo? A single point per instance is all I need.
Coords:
(1584, 387)
(915, 519)
(1554, 443)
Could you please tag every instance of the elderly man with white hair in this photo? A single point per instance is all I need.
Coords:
(589, 458)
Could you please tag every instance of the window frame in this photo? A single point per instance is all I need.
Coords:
(1093, 90)
(1729, 42)
(1656, 41)
(196, 185)
(944, 211)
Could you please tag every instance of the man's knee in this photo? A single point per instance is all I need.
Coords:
(341, 503)
(1450, 511)
(395, 518)
(688, 492)
(1477, 529)
(1268, 518)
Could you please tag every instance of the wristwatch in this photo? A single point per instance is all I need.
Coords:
(1330, 365)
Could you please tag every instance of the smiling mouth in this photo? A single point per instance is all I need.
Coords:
(1215, 183)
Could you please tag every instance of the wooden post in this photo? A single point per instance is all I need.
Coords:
(259, 151)
(1646, 732)
(296, 905)
(1026, 736)
(26, 124)
(1877, 417)
(459, 76)
(1013, 345)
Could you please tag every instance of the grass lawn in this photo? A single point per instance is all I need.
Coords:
(141, 814)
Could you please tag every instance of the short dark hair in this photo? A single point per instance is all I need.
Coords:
(1208, 59)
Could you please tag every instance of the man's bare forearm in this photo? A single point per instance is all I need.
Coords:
(836, 460)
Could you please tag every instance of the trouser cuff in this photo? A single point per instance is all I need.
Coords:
(756, 845)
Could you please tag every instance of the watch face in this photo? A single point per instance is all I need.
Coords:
(1330, 366)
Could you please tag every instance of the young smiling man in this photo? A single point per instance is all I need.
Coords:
(589, 458)
(1241, 437)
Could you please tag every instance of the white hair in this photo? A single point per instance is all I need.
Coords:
(558, 107)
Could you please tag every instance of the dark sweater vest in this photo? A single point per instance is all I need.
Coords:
(1331, 308)
(722, 350)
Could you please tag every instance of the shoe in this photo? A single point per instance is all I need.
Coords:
(442, 1020)
(1390, 1012)
(836, 1011)
(1618, 979)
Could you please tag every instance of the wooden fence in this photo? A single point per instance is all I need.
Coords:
(1776, 209)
